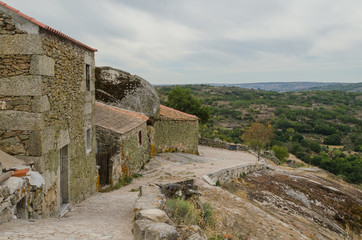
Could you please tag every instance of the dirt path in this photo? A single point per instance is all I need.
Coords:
(110, 215)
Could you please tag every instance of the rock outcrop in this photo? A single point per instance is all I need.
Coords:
(121, 89)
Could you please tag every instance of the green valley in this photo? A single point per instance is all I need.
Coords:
(322, 128)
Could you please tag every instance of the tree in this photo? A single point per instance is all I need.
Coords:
(181, 99)
(257, 136)
(334, 139)
(281, 153)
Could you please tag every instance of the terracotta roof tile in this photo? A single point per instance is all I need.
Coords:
(117, 119)
(170, 113)
(42, 25)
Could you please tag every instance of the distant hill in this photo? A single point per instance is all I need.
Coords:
(281, 86)
(289, 86)
(348, 87)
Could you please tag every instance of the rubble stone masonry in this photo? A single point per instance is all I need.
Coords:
(45, 105)
(176, 136)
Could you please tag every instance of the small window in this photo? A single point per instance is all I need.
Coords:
(140, 138)
(87, 76)
(88, 141)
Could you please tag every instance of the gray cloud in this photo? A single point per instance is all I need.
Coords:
(184, 41)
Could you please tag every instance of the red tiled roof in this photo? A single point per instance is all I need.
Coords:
(170, 113)
(42, 25)
(117, 119)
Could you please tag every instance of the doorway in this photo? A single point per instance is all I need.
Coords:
(64, 179)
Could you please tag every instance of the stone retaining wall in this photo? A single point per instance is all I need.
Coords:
(220, 144)
(228, 174)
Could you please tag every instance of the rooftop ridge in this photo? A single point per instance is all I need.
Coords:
(46, 27)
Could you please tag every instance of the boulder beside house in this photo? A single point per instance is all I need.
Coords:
(47, 99)
(122, 142)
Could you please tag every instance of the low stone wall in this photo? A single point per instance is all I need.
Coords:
(20, 199)
(220, 144)
(227, 174)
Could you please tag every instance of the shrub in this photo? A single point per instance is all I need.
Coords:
(281, 153)
(184, 212)
(208, 215)
(334, 139)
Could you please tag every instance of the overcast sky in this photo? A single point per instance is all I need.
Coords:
(214, 41)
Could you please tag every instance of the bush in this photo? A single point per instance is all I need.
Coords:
(334, 139)
(184, 212)
(281, 153)
(208, 215)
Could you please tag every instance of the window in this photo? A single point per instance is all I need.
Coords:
(87, 76)
(88, 141)
(140, 138)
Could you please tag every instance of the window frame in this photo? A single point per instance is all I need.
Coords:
(88, 141)
(87, 77)
(140, 138)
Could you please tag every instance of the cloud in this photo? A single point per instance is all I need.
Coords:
(204, 41)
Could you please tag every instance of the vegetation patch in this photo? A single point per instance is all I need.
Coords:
(303, 122)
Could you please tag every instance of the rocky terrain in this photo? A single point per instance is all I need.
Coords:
(310, 202)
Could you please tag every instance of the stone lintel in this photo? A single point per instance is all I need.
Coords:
(15, 120)
(63, 139)
(20, 44)
(21, 86)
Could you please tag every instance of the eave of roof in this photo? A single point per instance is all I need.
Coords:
(170, 113)
(46, 27)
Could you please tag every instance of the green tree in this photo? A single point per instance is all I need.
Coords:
(181, 99)
(257, 136)
(281, 153)
(334, 139)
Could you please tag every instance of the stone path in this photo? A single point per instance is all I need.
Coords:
(110, 215)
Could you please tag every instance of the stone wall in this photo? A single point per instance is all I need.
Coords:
(228, 174)
(135, 155)
(7, 25)
(12, 65)
(20, 199)
(106, 139)
(71, 112)
(220, 144)
(44, 105)
(131, 156)
(176, 136)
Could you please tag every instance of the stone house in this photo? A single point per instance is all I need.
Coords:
(47, 100)
(175, 131)
(122, 142)
(168, 129)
